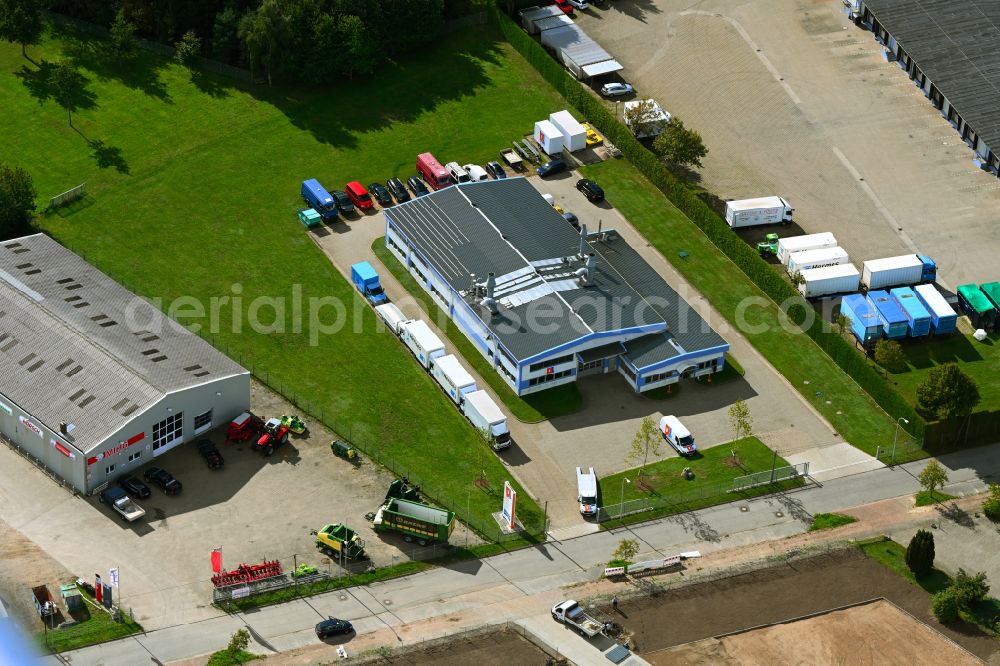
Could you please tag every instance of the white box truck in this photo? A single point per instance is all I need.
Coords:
(786, 246)
(827, 256)
(898, 271)
(549, 137)
(392, 316)
(829, 280)
(586, 491)
(574, 134)
(755, 212)
(453, 378)
(484, 414)
(420, 339)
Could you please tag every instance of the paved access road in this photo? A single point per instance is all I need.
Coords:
(520, 584)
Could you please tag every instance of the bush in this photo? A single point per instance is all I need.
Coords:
(889, 354)
(970, 589)
(920, 553)
(991, 506)
(946, 605)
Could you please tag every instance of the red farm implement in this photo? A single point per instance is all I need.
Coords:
(247, 573)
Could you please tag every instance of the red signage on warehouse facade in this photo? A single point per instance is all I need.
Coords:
(117, 449)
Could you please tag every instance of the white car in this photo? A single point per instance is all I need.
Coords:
(579, 4)
(616, 89)
(677, 436)
(476, 172)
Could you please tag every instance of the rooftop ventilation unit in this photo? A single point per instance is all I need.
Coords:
(584, 274)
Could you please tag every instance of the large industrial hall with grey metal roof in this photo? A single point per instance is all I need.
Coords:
(544, 303)
(95, 381)
(949, 50)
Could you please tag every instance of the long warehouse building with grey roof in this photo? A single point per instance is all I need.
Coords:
(948, 48)
(543, 303)
(95, 381)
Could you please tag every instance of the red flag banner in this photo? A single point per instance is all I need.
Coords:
(98, 588)
(217, 560)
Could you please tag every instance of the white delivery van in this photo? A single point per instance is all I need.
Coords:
(753, 212)
(586, 491)
(826, 256)
(392, 316)
(484, 414)
(786, 246)
(677, 435)
(453, 378)
(457, 172)
(420, 339)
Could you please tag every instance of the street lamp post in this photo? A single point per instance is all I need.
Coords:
(895, 437)
(621, 505)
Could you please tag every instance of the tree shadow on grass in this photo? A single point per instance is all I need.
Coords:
(213, 85)
(107, 156)
(40, 86)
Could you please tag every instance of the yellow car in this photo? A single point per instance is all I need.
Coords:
(593, 138)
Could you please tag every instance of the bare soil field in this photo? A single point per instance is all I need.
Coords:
(24, 565)
(777, 594)
(500, 649)
(875, 633)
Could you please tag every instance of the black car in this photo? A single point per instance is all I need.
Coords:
(381, 194)
(417, 186)
(332, 626)
(398, 190)
(212, 457)
(550, 168)
(592, 190)
(494, 169)
(164, 479)
(344, 203)
(134, 486)
(572, 219)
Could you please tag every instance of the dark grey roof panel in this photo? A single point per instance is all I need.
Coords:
(650, 349)
(600, 353)
(955, 43)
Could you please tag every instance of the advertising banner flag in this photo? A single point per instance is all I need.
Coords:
(113, 575)
(509, 504)
(217, 559)
(98, 588)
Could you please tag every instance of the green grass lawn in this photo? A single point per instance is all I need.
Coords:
(193, 182)
(532, 408)
(668, 492)
(226, 658)
(925, 498)
(94, 626)
(826, 521)
(979, 360)
(814, 374)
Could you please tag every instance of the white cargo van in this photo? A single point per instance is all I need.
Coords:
(457, 172)
(392, 316)
(420, 339)
(753, 212)
(586, 491)
(453, 378)
(484, 414)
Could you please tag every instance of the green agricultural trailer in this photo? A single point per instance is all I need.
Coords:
(339, 541)
(417, 522)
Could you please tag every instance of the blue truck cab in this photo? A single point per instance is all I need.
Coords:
(319, 199)
(366, 280)
(929, 273)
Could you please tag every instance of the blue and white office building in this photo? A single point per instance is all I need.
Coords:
(544, 303)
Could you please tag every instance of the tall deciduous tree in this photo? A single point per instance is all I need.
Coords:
(20, 22)
(264, 32)
(647, 440)
(188, 48)
(68, 87)
(17, 201)
(947, 393)
(679, 145)
(226, 35)
(933, 476)
(740, 419)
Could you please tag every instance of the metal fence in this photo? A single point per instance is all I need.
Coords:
(69, 195)
(701, 495)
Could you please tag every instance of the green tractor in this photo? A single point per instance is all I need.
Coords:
(768, 247)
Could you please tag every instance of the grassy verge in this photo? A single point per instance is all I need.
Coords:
(814, 374)
(668, 492)
(227, 658)
(94, 626)
(926, 498)
(193, 181)
(979, 360)
(827, 521)
(557, 401)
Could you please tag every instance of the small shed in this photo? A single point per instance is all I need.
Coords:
(549, 137)
(71, 597)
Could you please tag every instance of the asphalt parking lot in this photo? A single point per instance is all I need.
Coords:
(255, 508)
(792, 99)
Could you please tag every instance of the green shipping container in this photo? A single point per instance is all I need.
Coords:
(976, 306)
(992, 291)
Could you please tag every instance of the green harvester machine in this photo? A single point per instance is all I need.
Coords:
(339, 541)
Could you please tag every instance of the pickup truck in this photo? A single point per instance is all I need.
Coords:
(569, 613)
(121, 503)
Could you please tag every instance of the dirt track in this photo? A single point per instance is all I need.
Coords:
(779, 593)
(23, 565)
(876, 633)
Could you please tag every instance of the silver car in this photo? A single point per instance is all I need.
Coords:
(616, 89)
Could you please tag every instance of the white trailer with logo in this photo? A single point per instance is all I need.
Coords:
(787, 246)
(392, 316)
(548, 136)
(830, 280)
(827, 256)
(574, 134)
(453, 378)
(420, 340)
(755, 212)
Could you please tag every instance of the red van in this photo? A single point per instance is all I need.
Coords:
(359, 195)
(432, 172)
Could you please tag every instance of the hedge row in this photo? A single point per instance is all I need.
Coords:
(746, 258)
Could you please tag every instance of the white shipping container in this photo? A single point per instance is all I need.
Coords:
(453, 378)
(934, 301)
(420, 339)
(892, 271)
(786, 246)
(484, 414)
(574, 134)
(827, 256)
(829, 280)
(549, 137)
(392, 316)
(753, 212)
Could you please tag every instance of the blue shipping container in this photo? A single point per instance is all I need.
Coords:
(865, 323)
(917, 315)
(894, 322)
(943, 316)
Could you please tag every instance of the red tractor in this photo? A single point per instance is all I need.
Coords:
(266, 435)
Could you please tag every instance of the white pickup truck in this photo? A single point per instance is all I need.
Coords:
(569, 613)
(122, 504)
